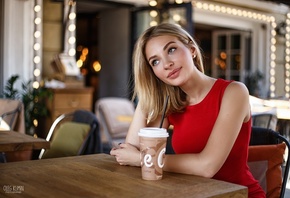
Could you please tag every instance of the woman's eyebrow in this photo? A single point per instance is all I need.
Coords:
(164, 48)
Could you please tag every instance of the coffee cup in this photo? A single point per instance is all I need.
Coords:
(152, 148)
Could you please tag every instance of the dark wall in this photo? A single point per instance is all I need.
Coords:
(114, 52)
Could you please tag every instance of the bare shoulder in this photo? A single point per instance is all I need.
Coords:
(237, 88)
(237, 92)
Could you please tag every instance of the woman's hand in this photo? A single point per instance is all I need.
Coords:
(127, 154)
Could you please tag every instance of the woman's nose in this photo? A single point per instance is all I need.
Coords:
(168, 63)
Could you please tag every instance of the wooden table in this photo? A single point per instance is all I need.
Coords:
(14, 141)
(99, 175)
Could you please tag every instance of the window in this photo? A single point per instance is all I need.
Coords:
(231, 54)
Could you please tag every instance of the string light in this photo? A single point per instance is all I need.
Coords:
(70, 33)
(287, 57)
(37, 45)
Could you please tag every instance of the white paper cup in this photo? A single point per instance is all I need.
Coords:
(152, 148)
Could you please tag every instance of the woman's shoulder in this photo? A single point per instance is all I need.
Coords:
(237, 89)
(232, 85)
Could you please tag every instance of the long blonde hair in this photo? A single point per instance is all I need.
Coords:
(150, 90)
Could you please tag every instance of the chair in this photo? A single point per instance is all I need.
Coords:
(268, 161)
(115, 116)
(12, 118)
(265, 120)
(11, 112)
(75, 133)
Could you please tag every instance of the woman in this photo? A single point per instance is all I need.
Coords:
(211, 117)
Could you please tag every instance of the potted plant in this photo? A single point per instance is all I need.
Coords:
(253, 82)
(34, 101)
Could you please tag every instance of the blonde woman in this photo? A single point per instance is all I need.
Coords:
(211, 117)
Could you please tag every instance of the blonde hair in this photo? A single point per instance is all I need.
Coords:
(150, 90)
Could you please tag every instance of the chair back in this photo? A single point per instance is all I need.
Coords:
(265, 120)
(268, 161)
(115, 116)
(75, 133)
(12, 112)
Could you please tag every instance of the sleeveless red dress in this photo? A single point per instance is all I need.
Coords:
(193, 127)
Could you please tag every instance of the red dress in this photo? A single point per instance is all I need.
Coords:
(193, 127)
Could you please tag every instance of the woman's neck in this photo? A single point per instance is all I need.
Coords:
(197, 88)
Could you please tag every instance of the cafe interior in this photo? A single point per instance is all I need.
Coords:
(66, 87)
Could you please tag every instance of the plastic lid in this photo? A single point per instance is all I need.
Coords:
(153, 132)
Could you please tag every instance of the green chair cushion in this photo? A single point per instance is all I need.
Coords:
(67, 140)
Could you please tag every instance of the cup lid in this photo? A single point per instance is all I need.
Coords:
(153, 132)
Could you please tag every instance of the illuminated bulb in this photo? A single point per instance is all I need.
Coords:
(72, 52)
(179, 1)
(211, 7)
(272, 64)
(37, 20)
(273, 56)
(205, 6)
(72, 27)
(37, 8)
(176, 17)
(72, 16)
(36, 46)
(35, 85)
(254, 15)
(85, 51)
(229, 10)
(36, 59)
(234, 12)
(83, 57)
(153, 3)
(153, 13)
(272, 80)
(153, 23)
(272, 88)
(80, 63)
(35, 122)
(273, 48)
(37, 34)
(273, 32)
(36, 72)
(273, 41)
(72, 40)
(217, 8)
(223, 9)
(97, 66)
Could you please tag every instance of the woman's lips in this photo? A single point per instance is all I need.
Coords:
(174, 73)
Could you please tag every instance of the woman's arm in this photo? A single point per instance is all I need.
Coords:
(235, 110)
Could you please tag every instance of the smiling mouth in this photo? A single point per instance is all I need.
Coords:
(173, 72)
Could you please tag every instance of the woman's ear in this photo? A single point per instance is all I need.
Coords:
(192, 49)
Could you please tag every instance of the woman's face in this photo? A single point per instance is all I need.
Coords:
(170, 59)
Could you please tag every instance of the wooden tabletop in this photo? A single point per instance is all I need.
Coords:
(14, 141)
(99, 175)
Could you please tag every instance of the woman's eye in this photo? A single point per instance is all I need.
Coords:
(171, 50)
(154, 62)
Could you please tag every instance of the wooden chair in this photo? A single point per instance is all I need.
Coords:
(71, 134)
(115, 116)
(269, 161)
